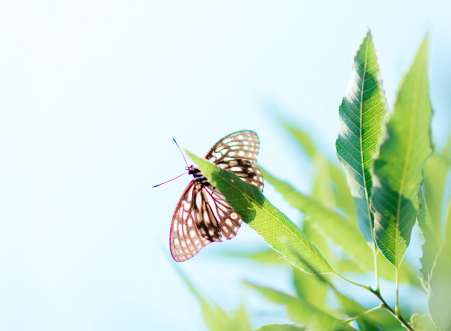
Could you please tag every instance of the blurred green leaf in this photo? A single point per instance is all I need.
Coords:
(309, 288)
(302, 138)
(398, 168)
(322, 190)
(422, 322)
(240, 320)
(275, 228)
(281, 327)
(341, 194)
(263, 256)
(362, 117)
(436, 169)
(330, 223)
(430, 245)
(301, 311)
(214, 317)
(439, 296)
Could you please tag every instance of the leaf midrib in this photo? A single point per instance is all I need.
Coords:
(408, 155)
(270, 213)
(361, 134)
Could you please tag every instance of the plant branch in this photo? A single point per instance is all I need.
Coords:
(391, 311)
(384, 304)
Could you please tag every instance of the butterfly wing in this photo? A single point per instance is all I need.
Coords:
(201, 216)
(185, 239)
(237, 153)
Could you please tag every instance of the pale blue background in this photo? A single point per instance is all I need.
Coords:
(83, 138)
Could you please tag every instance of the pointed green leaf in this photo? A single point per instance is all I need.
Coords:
(301, 311)
(309, 287)
(322, 188)
(436, 169)
(301, 137)
(422, 322)
(362, 116)
(341, 194)
(275, 228)
(239, 320)
(398, 169)
(430, 245)
(281, 327)
(263, 256)
(330, 223)
(439, 296)
(214, 317)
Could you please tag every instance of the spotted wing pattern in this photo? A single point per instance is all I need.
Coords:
(237, 153)
(200, 218)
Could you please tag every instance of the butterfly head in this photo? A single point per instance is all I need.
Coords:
(192, 170)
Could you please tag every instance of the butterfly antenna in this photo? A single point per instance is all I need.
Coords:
(171, 179)
(181, 152)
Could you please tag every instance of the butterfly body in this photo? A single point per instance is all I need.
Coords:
(202, 215)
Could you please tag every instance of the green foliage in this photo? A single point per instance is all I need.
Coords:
(436, 170)
(430, 245)
(358, 221)
(331, 224)
(362, 117)
(275, 228)
(398, 169)
(439, 296)
(302, 311)
(422, 322)
(214, 317)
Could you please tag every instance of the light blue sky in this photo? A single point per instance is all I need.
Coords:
(83, 138)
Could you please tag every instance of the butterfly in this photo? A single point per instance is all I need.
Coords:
(202, 215)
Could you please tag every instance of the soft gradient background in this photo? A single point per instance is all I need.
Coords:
(83, 138)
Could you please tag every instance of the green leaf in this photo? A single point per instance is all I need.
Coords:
(239, 320)
(281, 327)
(430, 245)
(436, 169)
(362, 116)
(330, 223)
(439, 296)
(301, 311)
(398, 169)
(214, 317)
(301, 137)
(422, 322)
(275, 228)
(263, 256)
(341, 194)
(309, 287)
(322, 188)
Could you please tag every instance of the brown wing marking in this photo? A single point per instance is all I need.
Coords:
(237, 153)
(185, 239)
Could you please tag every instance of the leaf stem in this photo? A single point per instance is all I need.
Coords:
(368, 311)
(398, 311)
(375, 259)
(354, 283)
